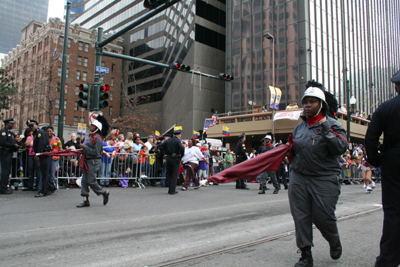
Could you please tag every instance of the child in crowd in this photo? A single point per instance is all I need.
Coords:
(142, 159)
(203, 165)
(106, 161)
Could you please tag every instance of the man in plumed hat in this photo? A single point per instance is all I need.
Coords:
(8, 146)
(386, 120)
(240, 157)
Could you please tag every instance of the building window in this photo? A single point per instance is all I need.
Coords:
(86, 47)
(69, 43)
(85, 61)
(58, 87)
(78, 75)
(84, 76)
(111, 96)
(79, 60)
(76, 106)
(57, 105)
(56, 119)
(80, 46)
(34, 50)
(67, 73)
(103, 64)
(59, 72)
(112, 81)
(113, 68)
(77, 90)
(75, 120)
(110, 111)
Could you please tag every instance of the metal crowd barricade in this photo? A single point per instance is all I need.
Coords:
(123, 166)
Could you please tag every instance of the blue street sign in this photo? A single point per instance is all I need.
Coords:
(102, 74)
(102, 69)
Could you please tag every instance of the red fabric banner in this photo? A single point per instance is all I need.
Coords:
(250, 169)
(69, 152)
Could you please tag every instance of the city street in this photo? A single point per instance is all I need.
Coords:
(148, 227)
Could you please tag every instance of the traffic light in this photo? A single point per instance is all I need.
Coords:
(179, 66)
(225, 77)
(153, 3)
(103, 95)
(83, 95)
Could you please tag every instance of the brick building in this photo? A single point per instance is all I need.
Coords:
(36, 66)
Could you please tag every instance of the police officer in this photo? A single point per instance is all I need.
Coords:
(174, 150)
(240, 157)
(8, 146)
(41, 143)
(386, 119)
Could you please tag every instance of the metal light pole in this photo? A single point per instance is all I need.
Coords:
(272, 38)
(63, 75)
(348, 109)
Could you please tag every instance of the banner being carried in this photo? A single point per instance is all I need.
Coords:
(276, 94)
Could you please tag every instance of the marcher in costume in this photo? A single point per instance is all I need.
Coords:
(93, 152)
(314, 180)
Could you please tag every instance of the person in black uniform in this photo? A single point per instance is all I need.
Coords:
(386, 119)
(41, 143)
(174, 150)
(8, 146)
(272, 174)
(240, 157)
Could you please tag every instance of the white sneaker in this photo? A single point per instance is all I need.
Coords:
(373, 185)
(364, 186)
(369, 188)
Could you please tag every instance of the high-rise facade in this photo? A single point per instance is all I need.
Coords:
(189, 32)
(77, 8)
(15, 15)
(343, 44)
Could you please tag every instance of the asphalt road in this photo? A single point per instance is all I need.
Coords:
(148, 227)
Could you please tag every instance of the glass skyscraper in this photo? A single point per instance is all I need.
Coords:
(15, 15)
(343, 44)
(77, 8)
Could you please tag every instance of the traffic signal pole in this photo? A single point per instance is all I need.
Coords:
(94, 95)
(60, 130)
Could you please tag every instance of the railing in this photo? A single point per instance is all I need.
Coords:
(65, 170)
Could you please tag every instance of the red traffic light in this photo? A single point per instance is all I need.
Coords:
(105, 88)
(226, 77)
(83, 87)
(179, 66)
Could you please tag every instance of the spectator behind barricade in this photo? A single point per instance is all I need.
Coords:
(252, 154)
(229, 159)
(209, 160)
(343, 164)
(343, 108)
(292, 105)
(149, 144)
(220, 162)
(203, 165)
(135, 150)
(142, 160)
(114, 132)
(128, 141)
(73, 143)
(56, 145)
(30, 172)
(121, 147)
(106, 160)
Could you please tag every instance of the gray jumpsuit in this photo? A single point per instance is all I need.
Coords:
(93, 152)
(314, 180)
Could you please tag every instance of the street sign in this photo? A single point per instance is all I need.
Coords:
(102, 69)
(102, 74)
(93, 115)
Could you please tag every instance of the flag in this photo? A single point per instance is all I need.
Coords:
(278, 97)
(272, 99)
(177, 129)
(157, 134)
(250, 169)
(225, 131)
(209, 123)
(196, 134)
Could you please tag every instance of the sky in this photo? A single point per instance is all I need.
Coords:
(56, 9)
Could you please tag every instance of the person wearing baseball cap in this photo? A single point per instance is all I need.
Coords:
(314, 189)
(386, 120)
(93, 153)
(8, 146)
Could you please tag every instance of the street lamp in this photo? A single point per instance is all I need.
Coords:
(272, 38)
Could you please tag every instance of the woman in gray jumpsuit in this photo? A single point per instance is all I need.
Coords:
(315, 171)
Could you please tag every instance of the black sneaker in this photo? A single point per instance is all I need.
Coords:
(306, 259)
(106, 196)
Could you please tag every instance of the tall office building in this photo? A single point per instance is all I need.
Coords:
(189, 32)
(14, 16)
(77, 8)
(343, 44)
